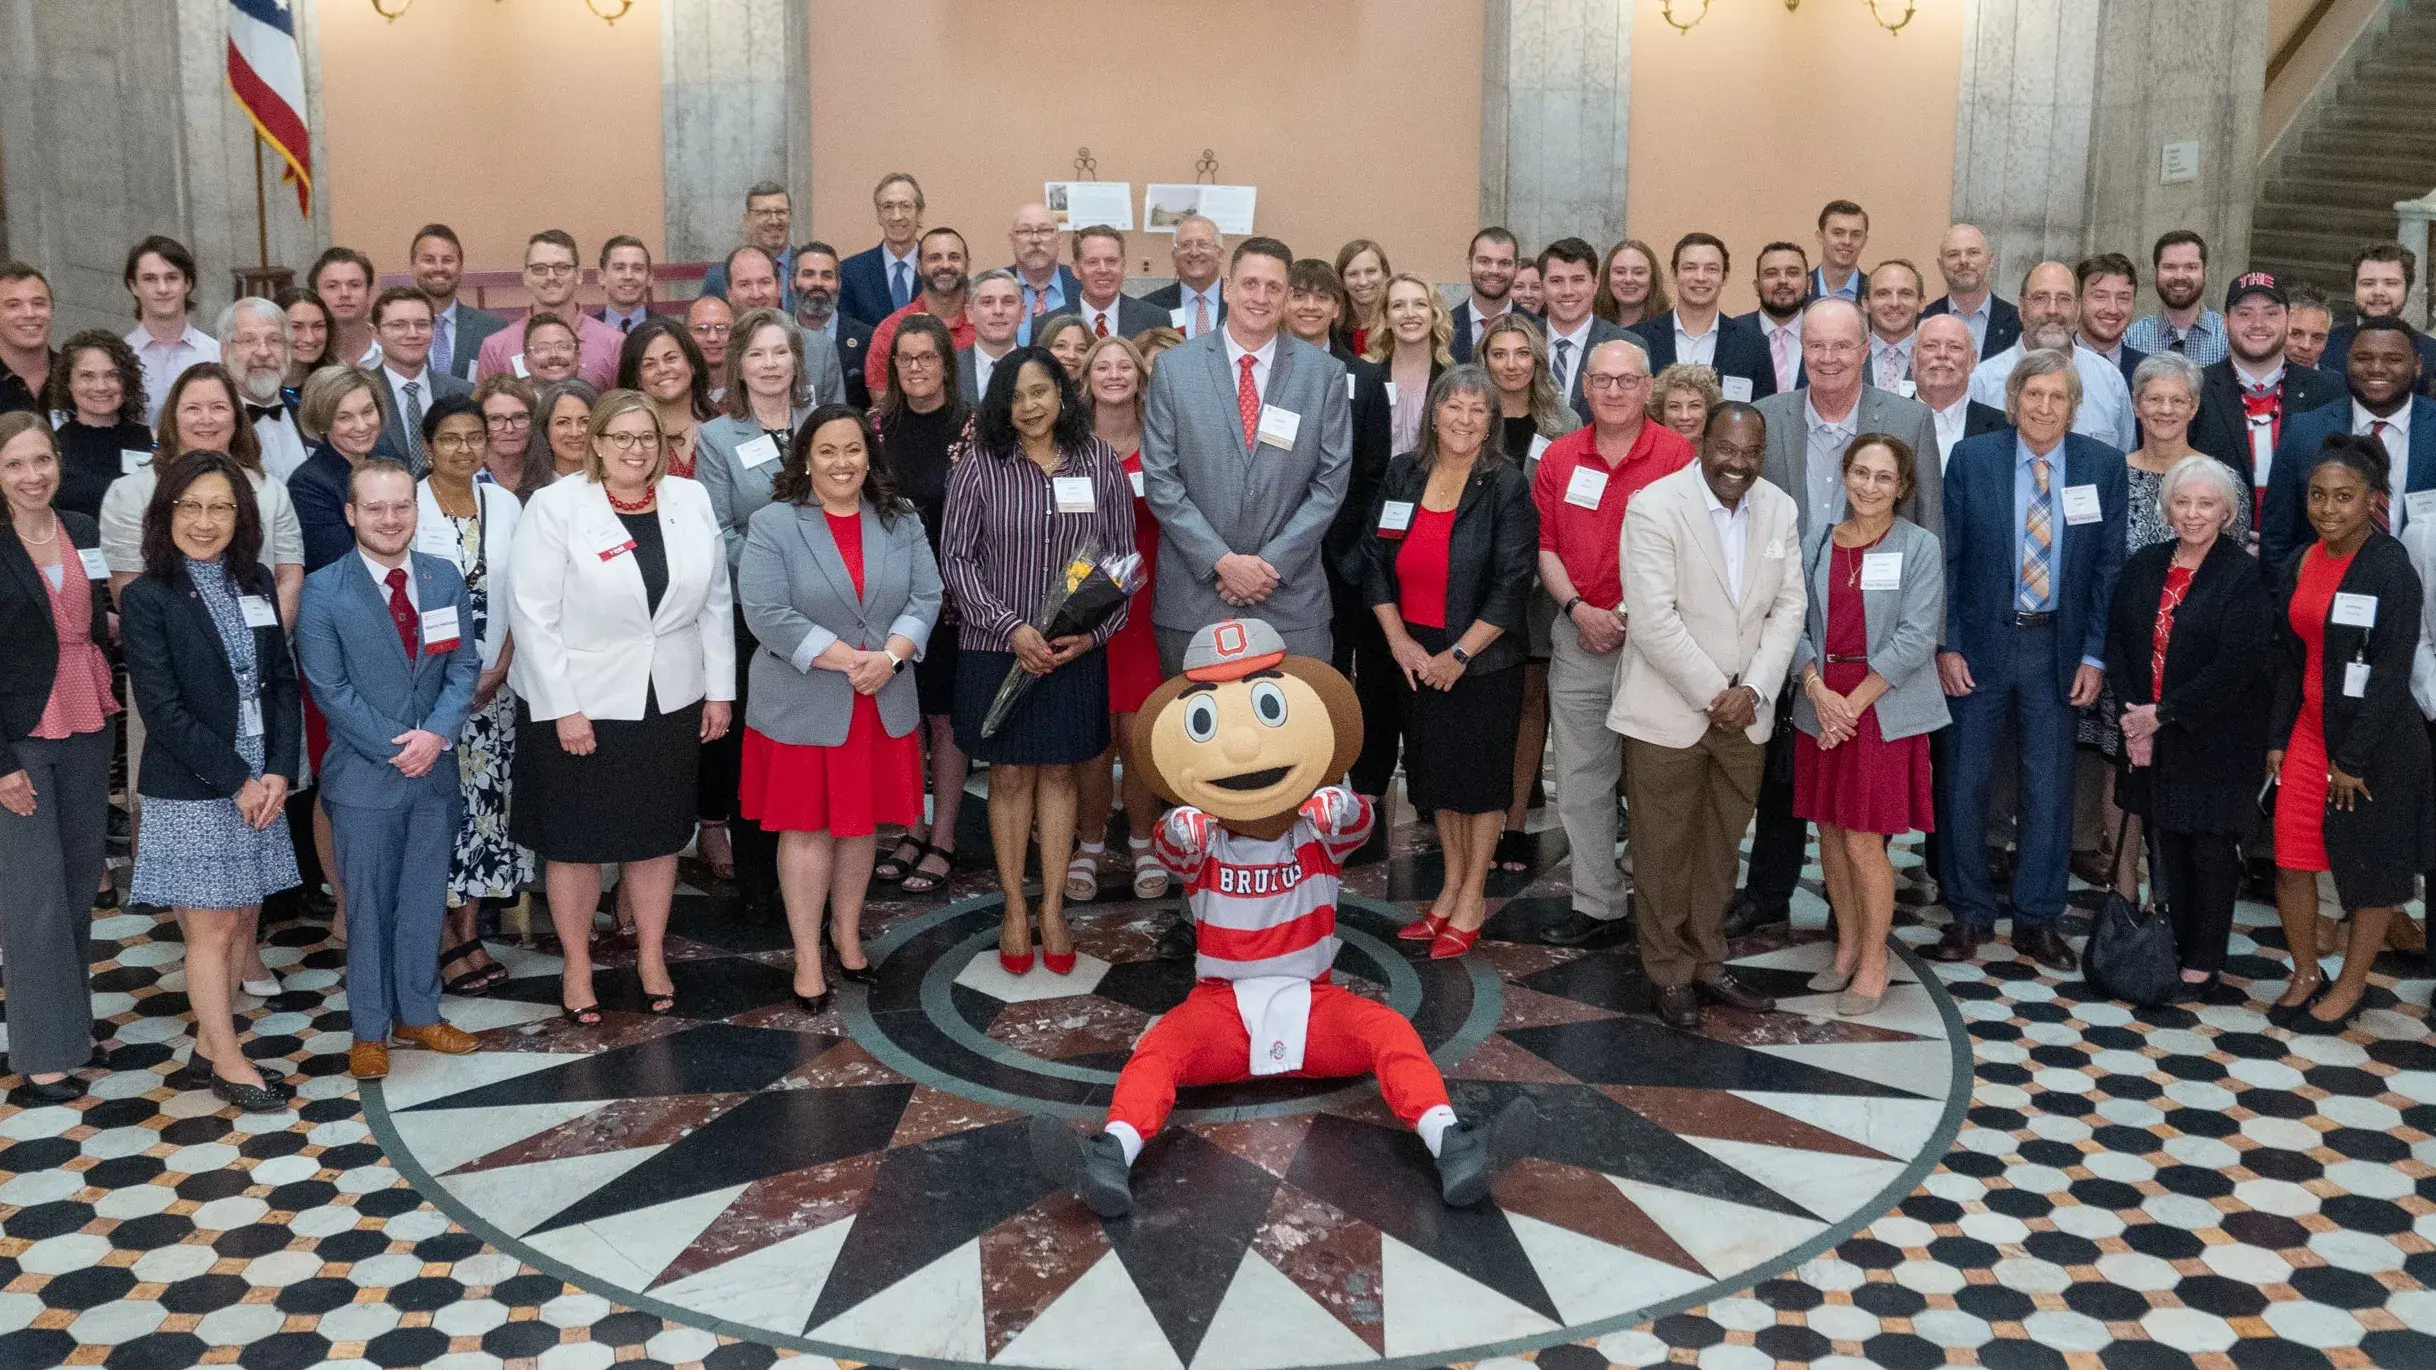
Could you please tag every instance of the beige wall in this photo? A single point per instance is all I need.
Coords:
(1750, 122)
(432, 117)
(1290, 100)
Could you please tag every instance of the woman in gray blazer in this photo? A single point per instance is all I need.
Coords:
(1869, 699)
(841, 590)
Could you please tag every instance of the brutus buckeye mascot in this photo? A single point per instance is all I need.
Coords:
(1245, 743)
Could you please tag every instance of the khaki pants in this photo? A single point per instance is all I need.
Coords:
(1589, 760)
(1690, 806)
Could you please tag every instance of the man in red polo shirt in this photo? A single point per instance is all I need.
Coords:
(1585, 480)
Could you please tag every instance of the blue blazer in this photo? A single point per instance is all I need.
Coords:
(1983, 550)
(2004, 323)
(1741, 350)
(318, 489)
(862, 286)
(370, 692)
(2338, 349)
(2284, 524)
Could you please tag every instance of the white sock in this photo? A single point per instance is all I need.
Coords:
(1095, 848)
(1138, 843)
(1128, 1139)
(1433, 1125)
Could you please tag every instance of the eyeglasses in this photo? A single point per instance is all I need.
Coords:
(509, 421)
(1595, 381)
(387, 509)
(458, 442)
(1036, 233)
(187, 508)
(907, 361)
(711, 330)
(550, 268)
(628, 442)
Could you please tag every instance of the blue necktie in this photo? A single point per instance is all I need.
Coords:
(442, 353)
(900, 288)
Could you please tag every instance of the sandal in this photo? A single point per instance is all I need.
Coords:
(1082, 878)
(724, 864)
(660, 1004)
(928, 881)
(474, 981)
(899, 863)
(587, 1016)
(1150, 874)
(1513, 851)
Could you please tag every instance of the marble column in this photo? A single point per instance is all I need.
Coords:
(735, 109)
(109, 139)
(1555, 90)
(2065, 110)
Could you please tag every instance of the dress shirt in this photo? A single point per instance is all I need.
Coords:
(2105, 412)
(1976, 321)
(1890, 363)
(1039, 302)
(1569, 363)
(163, 361)
(1950, 422)
(2203, 342)
(1849, 290)
(380, 577)
(1786, 379)
(985, 366)
(283, 448)
(1697, 349)
(371, 360)
(397, 393)
(2397, 439)
(2024, 489)
(1733, 527)
(1185, 295)
(1823, 461)
(625, 323)
(1473, 322)
(1100, 319)
(910, 262)
(1236, 352)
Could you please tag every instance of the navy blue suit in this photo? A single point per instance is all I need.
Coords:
(2022, 674)
(1741, 349)
(2338, 349)
(318, 489)
(714, 281)
(394, 833)
(862, 285)
(2004, 323)
(2283, 527)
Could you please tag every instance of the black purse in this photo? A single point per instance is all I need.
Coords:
(2131, 953)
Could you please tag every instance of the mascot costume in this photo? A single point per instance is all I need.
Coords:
(1245, 743)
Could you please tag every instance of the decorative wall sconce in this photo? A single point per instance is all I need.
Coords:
(607, 11)
(1666, 10)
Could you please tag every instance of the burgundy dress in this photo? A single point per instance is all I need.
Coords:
(847, 790)
(1865, 784)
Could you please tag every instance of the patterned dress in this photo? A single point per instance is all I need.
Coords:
(200, 853)
(487, 863)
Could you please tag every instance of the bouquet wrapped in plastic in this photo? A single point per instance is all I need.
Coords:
(1079, 599)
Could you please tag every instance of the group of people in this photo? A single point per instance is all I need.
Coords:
(530, 601)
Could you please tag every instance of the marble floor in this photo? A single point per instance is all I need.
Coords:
(1993, 1170)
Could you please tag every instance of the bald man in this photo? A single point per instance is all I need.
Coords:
(1048, 287)
(2051, 319)
(1964, 260)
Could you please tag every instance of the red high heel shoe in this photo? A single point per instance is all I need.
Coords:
(1423, 929)
(1016, 965)
(1450, 944)
(1058, 964)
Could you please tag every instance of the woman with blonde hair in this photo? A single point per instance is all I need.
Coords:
(1684, 395)
(1630, 286)
(1415, 345)
(1362, 266)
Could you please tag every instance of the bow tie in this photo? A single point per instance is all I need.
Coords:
(258, 412)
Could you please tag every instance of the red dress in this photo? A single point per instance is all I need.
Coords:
(1864, 784)
(1421, 567)
(847, 790)
(2300, 810)
(1133, 652)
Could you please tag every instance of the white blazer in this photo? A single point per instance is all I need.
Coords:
(2419, 539)
(435, 536)
(1686, 637)
(586, 640)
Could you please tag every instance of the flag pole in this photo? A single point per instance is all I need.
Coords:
(262, 218)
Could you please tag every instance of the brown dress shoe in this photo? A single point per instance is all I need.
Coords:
(368, 1060)
(1727, 990)
(1679, 1007)
(445, 1038)
(2047, 947)
(1960, 943)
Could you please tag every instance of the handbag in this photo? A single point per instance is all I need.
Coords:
(2131, 953)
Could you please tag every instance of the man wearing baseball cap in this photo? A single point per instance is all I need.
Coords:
(2245, 399)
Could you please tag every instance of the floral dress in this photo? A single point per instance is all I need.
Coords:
(487, 863)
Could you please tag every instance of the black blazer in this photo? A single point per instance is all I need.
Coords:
(1490, 553)
(1983, 418)
(2004, 323)
(853, 344)
(2221, 428)
(180, 676)
(31, 662)
(1170, 297)
(2211, 732)
(1373, 441)
(2376, 847)
(1741, 350)
(89, 460)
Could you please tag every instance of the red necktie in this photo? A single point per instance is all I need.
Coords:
(401, 611)
(1040, 303)
(2380, 506)
(1099, 325)
(1247, 403)
(1201, 315)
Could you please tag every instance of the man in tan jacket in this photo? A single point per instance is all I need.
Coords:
(1713, 591)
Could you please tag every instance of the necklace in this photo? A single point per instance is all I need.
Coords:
(448, 499)
(639, 506)
(43, 541)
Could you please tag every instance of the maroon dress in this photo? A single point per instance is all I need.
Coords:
(1866, 784)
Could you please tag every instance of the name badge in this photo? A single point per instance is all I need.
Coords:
(249, 718)
(1395, 516)
(1278, 426)
(440, 630)
(1907, 387)
(1881, 570)
(1180, 320)
(1349, 386)
(1538, 445)
(517, 361)
(2355, 611)
(1775, 551)
(1390, 387)
(258, 611)
(2355, 680)
(761, 451)
(1586, 487)
(436, 539)
(1136, 478)
(1737, 388)
(130, 460)
(1074, 495)
(612, 541)
(2081, 504)
(97, 566)
(2419, 504)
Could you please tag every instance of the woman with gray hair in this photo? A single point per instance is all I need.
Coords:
(1449, 554)
(2187, 656)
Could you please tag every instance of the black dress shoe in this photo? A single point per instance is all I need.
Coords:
(814, 1004)
(29, 1094)
(1960, 943)
(1733, 993)
(1748, 914)
(1578, 929)
(1679, 1007)
(1178, 942)
(2043, 944)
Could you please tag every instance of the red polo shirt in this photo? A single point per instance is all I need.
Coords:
(884, 337)
(1584, 539)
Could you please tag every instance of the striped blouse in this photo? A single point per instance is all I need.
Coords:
(1004, 540)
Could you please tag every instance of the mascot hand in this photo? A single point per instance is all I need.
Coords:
(1333, 809)
(1184, 839)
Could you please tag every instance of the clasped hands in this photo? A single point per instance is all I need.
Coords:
(1041, 655)
(1244, 579)
(1839, 717)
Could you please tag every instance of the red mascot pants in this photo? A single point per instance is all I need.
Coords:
(1202, 1042)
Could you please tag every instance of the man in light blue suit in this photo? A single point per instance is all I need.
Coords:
(387, 638)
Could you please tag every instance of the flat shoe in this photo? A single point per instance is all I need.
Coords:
(1830, 980)
(249, 1098)
(261, 989)
(31, 1095)
(1854, 1004)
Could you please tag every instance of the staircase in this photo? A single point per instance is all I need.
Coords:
(2347, 161)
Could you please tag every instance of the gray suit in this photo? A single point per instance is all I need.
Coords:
(473, 326)
(798, 597)
(968, 375)
(1880, 411)
(737, 491)
(393, 442)
(1212, 496)
(1904, 625)
(824, 374)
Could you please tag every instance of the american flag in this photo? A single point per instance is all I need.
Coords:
(266, 74)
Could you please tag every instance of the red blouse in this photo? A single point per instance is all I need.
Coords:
(1421, 566)
(847, 531)
(2177, 584)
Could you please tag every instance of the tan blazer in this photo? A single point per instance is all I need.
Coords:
(1687, 638)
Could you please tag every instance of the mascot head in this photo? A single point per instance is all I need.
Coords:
(1247, 733)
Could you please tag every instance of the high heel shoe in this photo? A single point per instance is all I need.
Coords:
(1015, 965)
(2281, 1015)
(1451, 943)
(814, 1004)
(1423, 929)
(1059, 963)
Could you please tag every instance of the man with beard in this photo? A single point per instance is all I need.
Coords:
(2110, 285)
(1964, 261)
(1695, 331)
(457, 328)
(817, 277)
(552, 268)
(2381, 277)
(768, 210)
(1047, 286)
(2051, 313)
(1784, 283)
(2311, 321)
(944, 261)
(2382, 370)
(254, 347)
(1894, 314)
(2186, 325)
(1491, 266)
(2246, 399)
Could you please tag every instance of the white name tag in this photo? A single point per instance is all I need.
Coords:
(517, 361)
(1586, 487)
(1775, 551)
(1881, 570)
(2419, 504)
(1395, 515)
(761, 451)
(1538, 445)
(611, 541)
(249, 718)
(2355, 611)
(1349, 386)
(1136, 478)
(2081, 504)
(1180, 320)
(1074, 494)
(130, 460)
(1278, 426)
(1907, 387)
(1390, 387)
(1737, 388)
(436, 539)
(440, 628)
(257, 610)
(2355, 680)
(97, 566)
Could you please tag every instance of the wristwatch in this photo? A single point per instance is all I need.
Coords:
(895, 663)
(1567, 611)
(1462, 657)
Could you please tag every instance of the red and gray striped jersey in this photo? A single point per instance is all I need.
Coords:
(1265, 907)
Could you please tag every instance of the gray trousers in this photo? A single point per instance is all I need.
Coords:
(1589, 761)
(394, 864)
(1311, 642)
(52, 864)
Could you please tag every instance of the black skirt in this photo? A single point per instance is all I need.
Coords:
(632, 799)
(1459, 743)
(1061, 721)
(935, 673)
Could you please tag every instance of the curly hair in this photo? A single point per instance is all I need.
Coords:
(793, 483)
(242, 557)
(122, 360)
(994, 419)
(630, 361)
